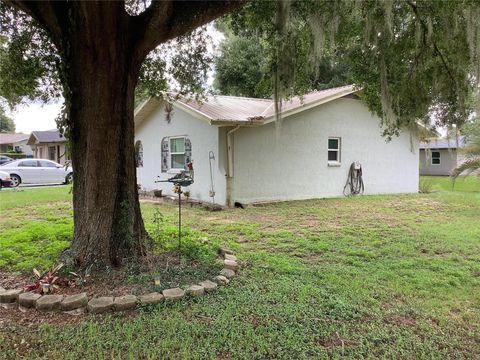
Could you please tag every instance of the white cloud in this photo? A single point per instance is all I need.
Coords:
(36, 116)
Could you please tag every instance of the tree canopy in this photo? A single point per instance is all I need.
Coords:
(243, 68)
(414, 60)
(7, 124)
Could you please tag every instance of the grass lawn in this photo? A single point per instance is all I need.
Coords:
(364, 277)
(445, 183)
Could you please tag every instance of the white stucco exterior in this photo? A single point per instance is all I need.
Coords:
(295, 165)
(204, 138)
(289, 164)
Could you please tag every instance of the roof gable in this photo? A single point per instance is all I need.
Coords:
(49, 136)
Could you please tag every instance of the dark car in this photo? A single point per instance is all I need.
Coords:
(4, 159)
(5, 180)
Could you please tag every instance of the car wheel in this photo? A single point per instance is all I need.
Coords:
(69, 179)
(15, 180)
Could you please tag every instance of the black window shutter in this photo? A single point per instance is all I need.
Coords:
(188, 152)
(165, 154)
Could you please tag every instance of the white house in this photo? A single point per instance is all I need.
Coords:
(441, 156)
(306, 155)
(49, 144)
(16, 143)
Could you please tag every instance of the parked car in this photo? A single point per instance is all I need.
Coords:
(4, 159)
(37, 171)
(5, 180)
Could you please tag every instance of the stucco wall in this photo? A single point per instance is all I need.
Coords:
(204, 138)
(448, 161)
(41, 151)
(295, 166)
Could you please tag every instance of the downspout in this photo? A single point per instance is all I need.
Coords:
(230, 166)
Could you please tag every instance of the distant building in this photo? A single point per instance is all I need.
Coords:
(49, 145)
(15, 143)
(441, 156)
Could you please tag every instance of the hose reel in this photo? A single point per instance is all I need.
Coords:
(354, 184)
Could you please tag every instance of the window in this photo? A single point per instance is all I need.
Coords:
(435, 157)
(177, 153)
(334, 150)
(138, 154)
(44, 163)
(28, 163)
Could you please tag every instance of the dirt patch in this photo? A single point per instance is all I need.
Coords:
(255, 320)
(32, 318)
(13, 280)
(335, 340)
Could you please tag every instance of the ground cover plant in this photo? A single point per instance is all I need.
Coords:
(375, 276)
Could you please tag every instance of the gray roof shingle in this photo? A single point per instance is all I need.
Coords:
(49, 136)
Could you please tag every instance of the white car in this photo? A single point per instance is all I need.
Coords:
(5, 180)
(37, 171)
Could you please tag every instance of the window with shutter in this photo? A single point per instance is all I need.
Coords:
(176, 153)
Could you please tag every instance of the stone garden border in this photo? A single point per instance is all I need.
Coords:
(79, 303)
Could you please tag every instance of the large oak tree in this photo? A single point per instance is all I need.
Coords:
(101, 48)
(412, 59)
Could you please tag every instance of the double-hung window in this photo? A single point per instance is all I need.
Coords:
(177, 153)
(435, 157)
(334, 144)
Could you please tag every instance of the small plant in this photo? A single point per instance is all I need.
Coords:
(186, 194)
(46, 282)
(158, 224)
(426, 186)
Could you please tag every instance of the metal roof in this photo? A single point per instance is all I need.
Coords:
(444, 143)
(232, 110)
(12, 138)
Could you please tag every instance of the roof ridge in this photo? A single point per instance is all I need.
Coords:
(243, 98)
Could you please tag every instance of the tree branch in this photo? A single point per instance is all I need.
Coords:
(435, 47)
(166, 20)
(51, 15)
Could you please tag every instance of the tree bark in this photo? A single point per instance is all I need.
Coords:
(101, 74)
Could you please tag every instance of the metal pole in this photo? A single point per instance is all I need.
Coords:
(179, 217)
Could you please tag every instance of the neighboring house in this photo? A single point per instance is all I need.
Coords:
(440, 156)
(49, 145)
(306, 155)
(16, 143)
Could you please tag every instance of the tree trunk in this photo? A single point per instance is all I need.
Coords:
(102, 48)
(108, 225)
